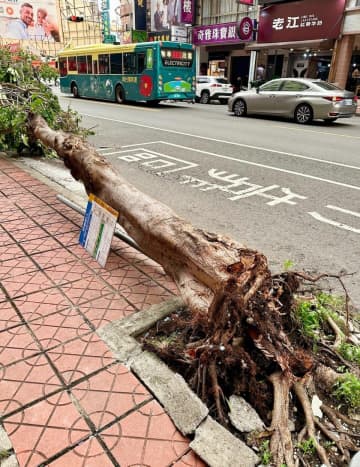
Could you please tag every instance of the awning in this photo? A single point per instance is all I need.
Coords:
(324, 44)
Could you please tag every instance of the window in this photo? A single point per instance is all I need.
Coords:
(271, 86)
(81, 64)
(72, 63)
(104, 64)
(129, 63)
(116, 64)
(294, 86)
(140, 62)
(327, 86)
(89, 64)
(357, 3)
(63, 66)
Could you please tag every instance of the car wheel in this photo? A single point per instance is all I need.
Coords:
(303, 114)
(239, 108)
(75, 90)
(119, 94)
(330, 120)
(205, 97)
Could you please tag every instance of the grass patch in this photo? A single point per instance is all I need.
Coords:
(347, 390)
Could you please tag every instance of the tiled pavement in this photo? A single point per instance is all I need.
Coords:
(64, 400)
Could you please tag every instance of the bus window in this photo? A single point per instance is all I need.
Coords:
(95, 67)
(104, 64)
(62, 66)
(140, 62)
(116, 64)
(129, 63)
(72, 63)
(89, 64)
(81, 64)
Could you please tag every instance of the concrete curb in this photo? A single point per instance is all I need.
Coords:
(212, 442)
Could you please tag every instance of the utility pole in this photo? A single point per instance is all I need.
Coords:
(253, 53)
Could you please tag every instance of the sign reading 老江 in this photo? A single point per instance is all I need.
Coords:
(301, 20)
(98, 229)
(229, 33)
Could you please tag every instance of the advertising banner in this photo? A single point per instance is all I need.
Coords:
(140, 14)
(34, 20)
(224, 33)
(301, 20)
(187, 11)
(165, 13)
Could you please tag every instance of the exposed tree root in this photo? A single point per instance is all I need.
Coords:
(281, 443)
(300, 391)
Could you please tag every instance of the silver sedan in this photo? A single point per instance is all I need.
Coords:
(302, 99)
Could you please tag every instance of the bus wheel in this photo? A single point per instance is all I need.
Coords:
(119, 95)
(75, 90)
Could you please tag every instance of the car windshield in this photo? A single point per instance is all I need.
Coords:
(326, 86)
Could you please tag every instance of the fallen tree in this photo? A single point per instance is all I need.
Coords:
(241, 324)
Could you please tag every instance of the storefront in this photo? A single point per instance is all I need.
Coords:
(221, 50)
(298, 38)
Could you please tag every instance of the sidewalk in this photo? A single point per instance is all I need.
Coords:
(65, 400)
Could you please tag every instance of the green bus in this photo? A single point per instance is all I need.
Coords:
(145, 71)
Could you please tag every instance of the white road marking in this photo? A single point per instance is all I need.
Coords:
(328, 133)
(345, 211)
(259, 148)
(264, 166)
(320, 218)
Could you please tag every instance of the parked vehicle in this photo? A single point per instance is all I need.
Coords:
(302, 99)
(209, 88)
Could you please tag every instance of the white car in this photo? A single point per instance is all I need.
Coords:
(210, 88)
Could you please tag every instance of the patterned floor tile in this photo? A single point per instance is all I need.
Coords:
(68, 239)
(144, 295)
(72, 271)
(15, 225)
(11, 215)
(38, 245)
(86, 289)
(90, 453)
(5, 238)
(26, 284)
(107, 309)
(190, 459)
(16, 266)
(24, 382)
(29, 234)
(61, 326)
(44, 429)
(41, 303)
(16, 344)
(8, 316)
(10, 251)
(110, 394)
(61, 227)
(135, 440)
(80, 357)
(53, 257)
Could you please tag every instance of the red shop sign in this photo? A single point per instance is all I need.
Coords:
(301, 20)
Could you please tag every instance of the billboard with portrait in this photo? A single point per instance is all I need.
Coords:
(29, 20)
(165, 13)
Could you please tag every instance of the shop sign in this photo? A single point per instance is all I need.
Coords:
(159, 36)
(301, 20)
(179, 33)
(229, 33)
(187, 11)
